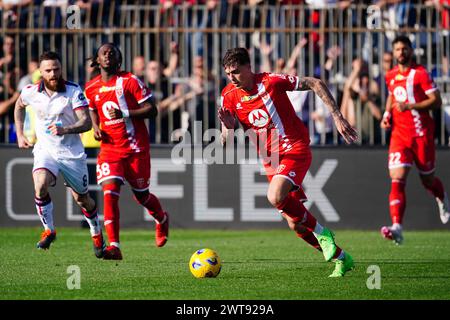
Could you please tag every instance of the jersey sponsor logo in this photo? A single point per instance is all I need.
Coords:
(107, 106)
(258, 118)
(115, 121)
(106, 89)
(400, 94)
(277, 75)
(248, 98)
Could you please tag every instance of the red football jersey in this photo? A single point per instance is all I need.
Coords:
(268, 111)
(122, 136)
(411, 86)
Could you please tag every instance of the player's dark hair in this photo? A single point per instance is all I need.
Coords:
(236, 57)
(403, 39)
(95, 64)
(49, 55)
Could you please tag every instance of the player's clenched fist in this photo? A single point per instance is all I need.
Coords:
(115, 113)
(23, 142)
(56, 130)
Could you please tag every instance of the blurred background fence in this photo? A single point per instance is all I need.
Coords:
(176, 47)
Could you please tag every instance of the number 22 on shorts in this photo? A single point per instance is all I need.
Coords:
(394, 158)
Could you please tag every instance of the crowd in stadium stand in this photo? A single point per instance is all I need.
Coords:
(184, 92)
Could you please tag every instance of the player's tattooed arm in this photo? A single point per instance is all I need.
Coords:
(19, 119)
(83, 124)
(318, 86)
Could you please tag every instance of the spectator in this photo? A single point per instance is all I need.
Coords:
(323, 121)
(359, 88)
(14, 11)
(6, 105)
(139, 67)
(396, 14)
(157, 79)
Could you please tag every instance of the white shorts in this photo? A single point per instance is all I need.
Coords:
(74, 171)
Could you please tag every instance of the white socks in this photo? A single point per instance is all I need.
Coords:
(44, 209)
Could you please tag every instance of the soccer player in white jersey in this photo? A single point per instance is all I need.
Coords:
(61, 115)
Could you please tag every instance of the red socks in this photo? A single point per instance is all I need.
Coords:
(152, 204)
(397, 200)
(292, 207)
(111, 194)
(436, 189)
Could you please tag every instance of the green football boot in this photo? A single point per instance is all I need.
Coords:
(342, 266)
(326, 242)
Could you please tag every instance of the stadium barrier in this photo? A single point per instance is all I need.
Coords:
(142, 29)
(347, 188)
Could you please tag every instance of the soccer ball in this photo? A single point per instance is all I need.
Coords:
(205, 263)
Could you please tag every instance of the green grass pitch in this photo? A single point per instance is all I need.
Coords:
(256, 264)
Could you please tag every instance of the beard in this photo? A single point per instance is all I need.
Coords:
(53, 85)
(404, 60)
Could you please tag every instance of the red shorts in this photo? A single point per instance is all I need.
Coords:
(418, 150)
(292, 167)
(135, 169)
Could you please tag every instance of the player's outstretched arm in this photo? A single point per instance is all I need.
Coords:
(345, 129)
(83, 124)
(19, 119)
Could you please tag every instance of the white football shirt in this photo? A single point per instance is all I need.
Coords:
(58, 109)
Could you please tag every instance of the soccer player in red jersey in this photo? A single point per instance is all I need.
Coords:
(412, 94)
(119, 103)
(260, 103)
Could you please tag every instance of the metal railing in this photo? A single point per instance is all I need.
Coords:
(270, 32)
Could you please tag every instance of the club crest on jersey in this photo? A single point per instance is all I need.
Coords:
(258, 118)
(399, 77)
(108, 105)
(400, 94)
(280, 168)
